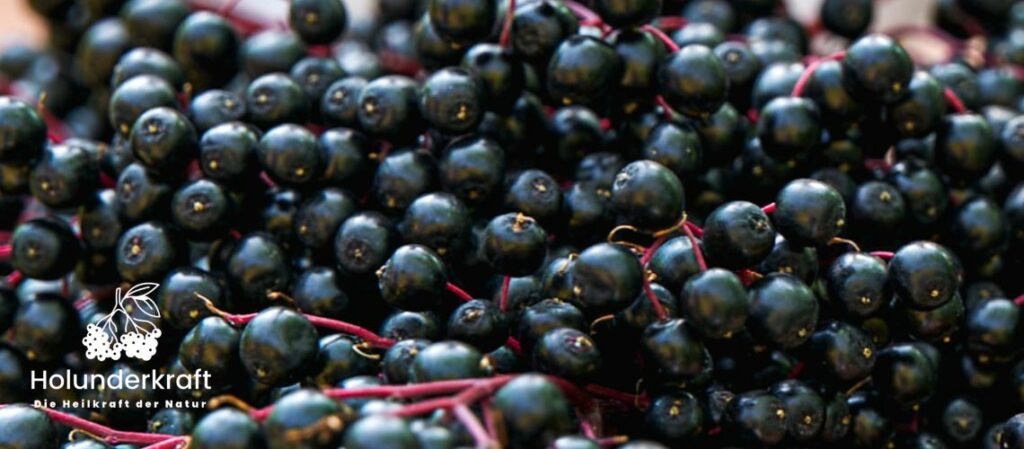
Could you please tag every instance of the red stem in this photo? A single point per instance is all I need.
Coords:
(696, 230)
(503, 301)
(506, 29)
(1019, 300)
(616, 395)
(14, 279)
(795, 372)
(697, 251)
(667, 110)
(884, 255)
(170, 443)
(514, 345)
(672, 22)
(672, 46)
(110, 436)
(228, 8)
(769, 208)
(5, 251)
(265, 177)
(954, 101)
(587, 17)
(586, 428)
(659, 309)
(805, 77)
(473, 425)
(327, 323)
(460, 293)
(489, 419)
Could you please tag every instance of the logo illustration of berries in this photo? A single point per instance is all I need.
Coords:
(125, 329)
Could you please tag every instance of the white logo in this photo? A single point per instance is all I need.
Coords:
(136, 336)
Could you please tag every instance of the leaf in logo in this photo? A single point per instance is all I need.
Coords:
(140, 338)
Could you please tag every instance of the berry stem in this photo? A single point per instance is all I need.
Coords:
(954, 101)
(458, 292)
(171, 443)
(612, 441)
(503, 301)
(109, 436)
(660, 35)
(659, 310)
(327, 323)
(698, 253)
(265, 177)
(514, 345)
(696, 230)
(586, 15)
(797, 369)
(586, 428)
(5, 251)
(667, 110)
(490, 420)
(473, 425)
(1019, 300)
(671, 22)
(768, 208)
(884, 255)
(805, 77)
(228, 8)
(636, 400)
(14, 279)
(506, 30)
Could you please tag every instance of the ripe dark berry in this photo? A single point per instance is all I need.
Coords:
(605, 278)
(847, 18)
(318, 21)
(904, 375)
(65, 176)
(809, 213)
(715, 303)
(274, 99)
(44, 248)
(534, 410)
(783, 310)
(757, 417)
(227, 152)
(447, 360)
(413, 278)
(318, 291)
(964, 147)
(289, 153)
(202, 209)
(278, 346)
(136, 96)
(694, 81)
(738, 235)
(226, 428)
(878, 66)
(515, 244)
(857, 283)
(215, 107)
(479, 323)
(924, 274)
(675, 417)
(318, 218)
(789, 127)
(567, 353)
(148, 251)
(300, 410)
(207, 48)
(462, 20)
(674, 353)
(452, 100)
(647, 195)
(22, 130)
(257, 267)
(583, 71)
(628, 13)
(362, 243)
(26, 427)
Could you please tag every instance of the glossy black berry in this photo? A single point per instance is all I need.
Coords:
(715, 303)
(362, 243)
(534, 410)
(809, 212)
(905, 375)
(278, 346)
(847, 18)
(257, 267)
(605, 278)
(177, 297)
(583, 71)
(965, 147)
(924, 274)
(163, 140)
(299, 410)
(215, 107)
(318, 218)
(789, 126)
(647, 195)
(757, 417)
(26, 427)
(148, 251)
(462, 20)
(339, 103)
(227, 152)
(856, 282)
(675, 417)
(227, 428)
(447, 360)
(65, 176)
(878, 66)
(289, 153)
(783, 310)
(318, 21)
(413, 278)
(452, 100)
(207, 47)
(274, 99)
(693, 80)
(22, 133)
(738, 235)
(674, 353)
(44, 248)
(515, 244)
(567, 353)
